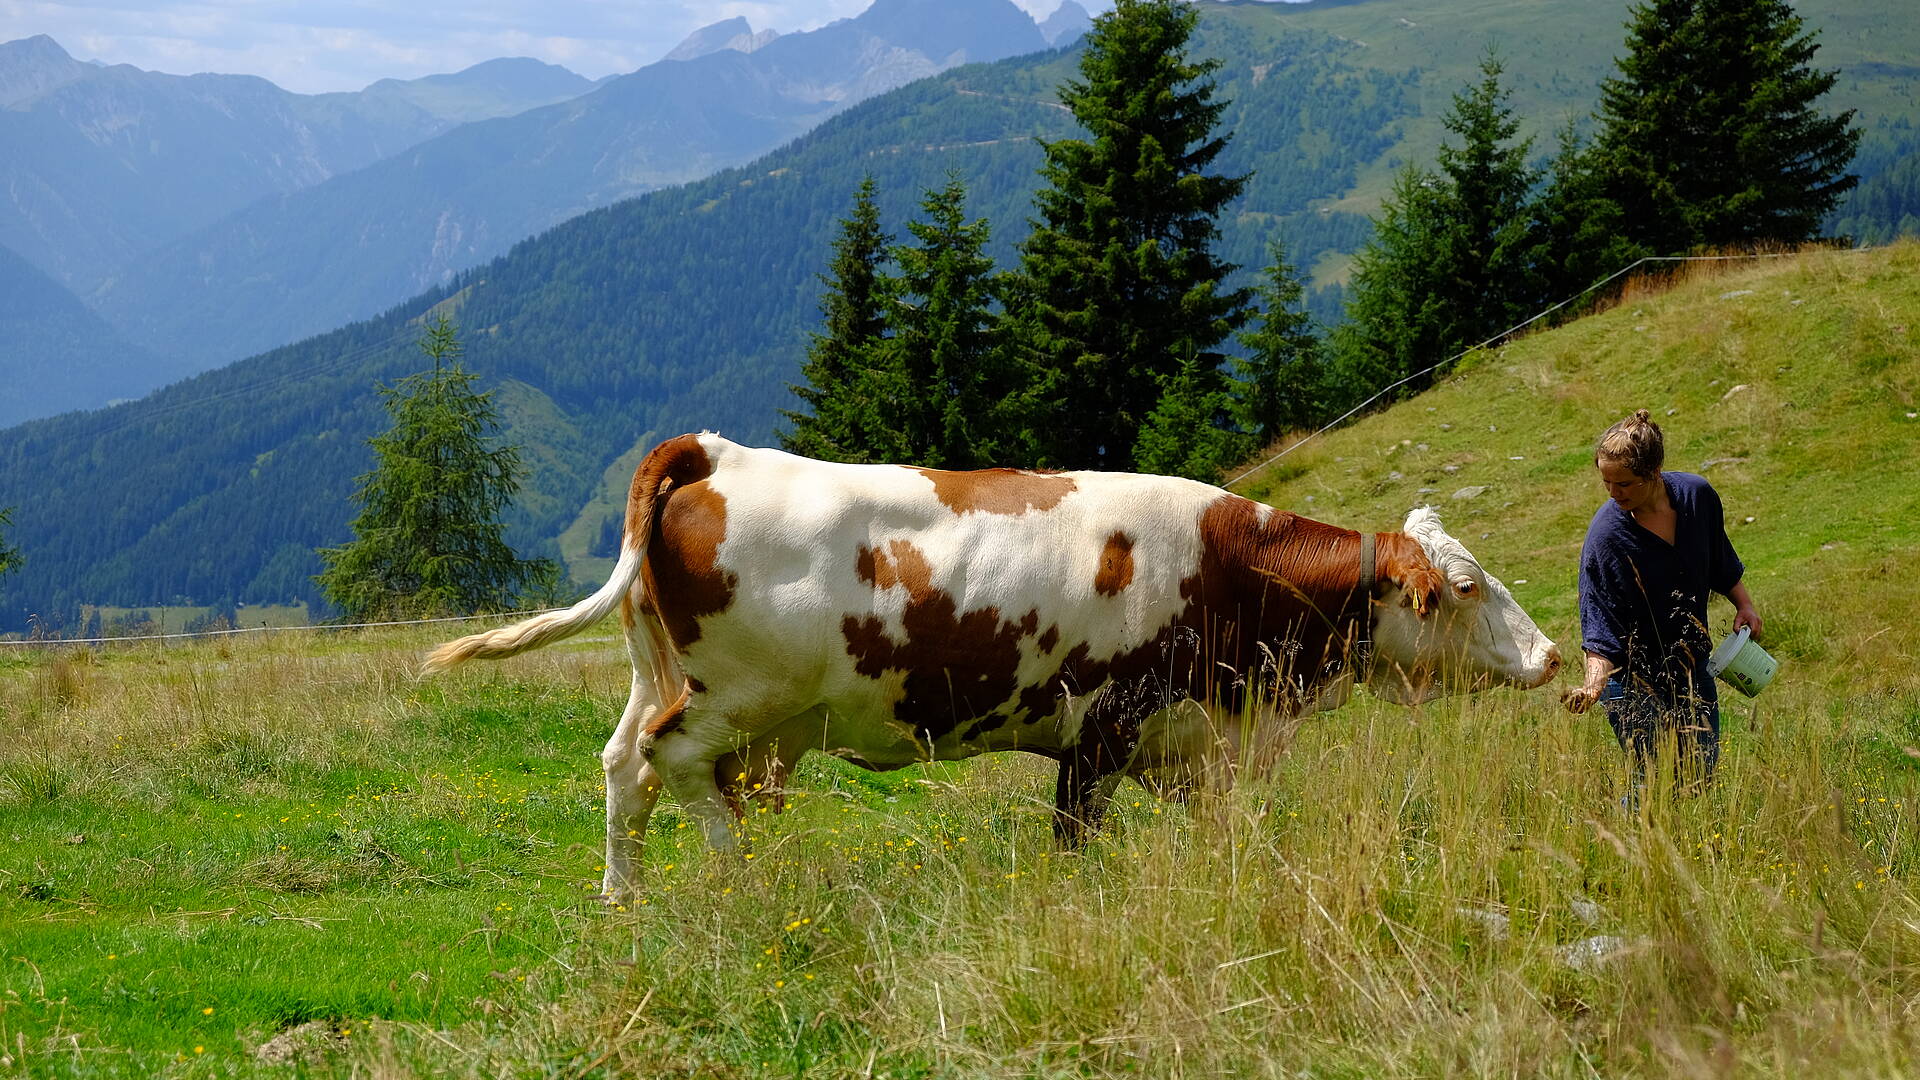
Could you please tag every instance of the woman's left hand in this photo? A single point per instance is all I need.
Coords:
(1747, 617)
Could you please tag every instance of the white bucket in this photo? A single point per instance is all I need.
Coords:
(1741, 663)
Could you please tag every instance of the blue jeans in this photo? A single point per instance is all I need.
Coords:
(1641, 716)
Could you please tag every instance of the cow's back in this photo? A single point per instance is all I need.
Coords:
(944, 606)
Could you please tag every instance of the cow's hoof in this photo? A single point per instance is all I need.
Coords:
(617, 899)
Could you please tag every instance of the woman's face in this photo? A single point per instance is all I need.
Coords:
(1629, 490)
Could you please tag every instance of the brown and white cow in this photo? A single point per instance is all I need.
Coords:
(891, 615)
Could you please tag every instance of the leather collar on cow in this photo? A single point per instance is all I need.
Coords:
(1360, 659)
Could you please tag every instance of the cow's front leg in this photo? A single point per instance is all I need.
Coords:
(1093, 765)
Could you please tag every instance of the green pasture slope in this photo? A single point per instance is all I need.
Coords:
(202, 845)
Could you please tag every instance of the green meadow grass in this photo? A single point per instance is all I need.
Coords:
(203, 844)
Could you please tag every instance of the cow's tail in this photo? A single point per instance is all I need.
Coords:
(681, 460)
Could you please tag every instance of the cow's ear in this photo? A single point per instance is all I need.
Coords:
(1420, 590)
(1404, 563)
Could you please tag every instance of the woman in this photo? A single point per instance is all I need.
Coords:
(1653, 553)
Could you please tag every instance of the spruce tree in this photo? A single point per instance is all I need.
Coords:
(1120, 288)
(1711, 135)
(1281, 383)
(841, 421)
(1579, 234)
(1394, 323)
(1186, 434)
(1450, 261)
(946, 391)
(427, 540)
(1488, 224)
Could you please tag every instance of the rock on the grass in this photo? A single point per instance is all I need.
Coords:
(1494, 924)
(1586, 910)
(1593, 953)
(1473, 492)
(303, 1045)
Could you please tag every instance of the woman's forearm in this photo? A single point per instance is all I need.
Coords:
(1743, 611)
(1598, 669)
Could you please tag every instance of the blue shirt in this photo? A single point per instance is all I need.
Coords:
(1643, 601)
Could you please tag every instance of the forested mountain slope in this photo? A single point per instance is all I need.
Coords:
(62, 355)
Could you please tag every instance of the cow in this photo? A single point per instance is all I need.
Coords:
(890, 615)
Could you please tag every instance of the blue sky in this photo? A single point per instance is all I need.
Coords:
(317, 45)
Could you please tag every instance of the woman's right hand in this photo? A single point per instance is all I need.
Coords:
(1579, 699)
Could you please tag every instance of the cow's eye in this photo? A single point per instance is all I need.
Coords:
(1464, 588)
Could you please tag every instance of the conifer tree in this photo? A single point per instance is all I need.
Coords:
(1281, 383)
(1186, 434)
(1579, 234)
(1450, 261)
(841, 422)
(1488, 222)
(946, 394)
(1711, 135)
(1120, 288)
(427, 540)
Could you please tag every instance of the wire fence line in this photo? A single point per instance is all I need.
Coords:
(44, 641)
(1509, 332)
(1342, 418)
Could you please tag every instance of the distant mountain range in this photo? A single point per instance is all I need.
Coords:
(100, 164)
(1066, 24)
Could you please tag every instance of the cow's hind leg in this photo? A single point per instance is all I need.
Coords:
(684, 745)
(632, 789)
(1093, 765)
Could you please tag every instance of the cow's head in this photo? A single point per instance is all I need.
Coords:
(1442, 625)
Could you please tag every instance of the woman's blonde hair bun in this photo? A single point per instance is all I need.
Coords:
(1635, 442)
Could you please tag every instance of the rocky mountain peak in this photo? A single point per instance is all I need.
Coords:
(1067, 22)
(735, 33)
(32, 66)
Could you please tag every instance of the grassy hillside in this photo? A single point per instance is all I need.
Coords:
(208, 844)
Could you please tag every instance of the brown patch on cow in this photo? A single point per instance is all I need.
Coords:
(1401, 560)
(958, 666)
(683, 571)
(626, 610)
(998, 491)
(1049, 639)
(1287, 583)
(1116, 565)
(669, 719)
(900, 563)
